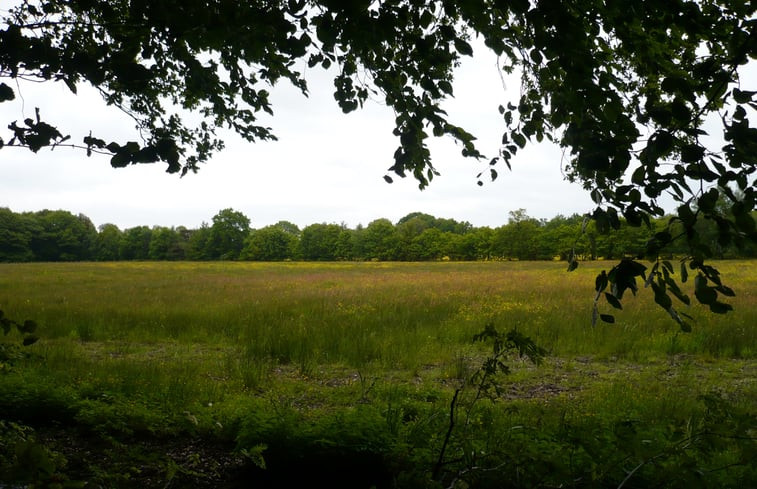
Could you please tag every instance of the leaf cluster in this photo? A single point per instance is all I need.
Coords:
(10, 352)
(27, 328)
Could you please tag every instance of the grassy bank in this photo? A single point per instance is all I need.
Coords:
(300, 363)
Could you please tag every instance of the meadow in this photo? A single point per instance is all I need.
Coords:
(364, 374)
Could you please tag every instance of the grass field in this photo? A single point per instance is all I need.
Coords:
(202, 373)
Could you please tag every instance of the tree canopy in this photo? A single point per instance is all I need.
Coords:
(646, 97)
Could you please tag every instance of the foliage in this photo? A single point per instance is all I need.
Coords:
(135, 243)
(63, 235)
(320, 242)
(16, 231)
(25, 460)
(484, 384)
(271, 243)
(165, 244)
(380, 240)
(107, 243)
(416, 237)
(227, 235)
(10, 352)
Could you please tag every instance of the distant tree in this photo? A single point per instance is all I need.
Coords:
(357, 242)
(197, 243)
(408, 228)
(452, 226)
(380, 240)
(429, 245)
(459, 247)
(289, 228)
(184, 236)
(519, 238)
(482, 242)
(16, 231)
(165, 244)
(562, 236)
(627, 241)
(271, 243)
(345, 245)
(135, 243)
(88, 236)
(526, 231)
(227, 234)
(62, 236)
(319, 242)
(426, 220)
(107, 244)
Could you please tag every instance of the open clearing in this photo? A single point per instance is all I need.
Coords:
(150, 374)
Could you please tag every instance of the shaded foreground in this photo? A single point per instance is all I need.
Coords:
(343, 375)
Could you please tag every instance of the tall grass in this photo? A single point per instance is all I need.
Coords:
(247, 349)
(192, 331)
(361, 313)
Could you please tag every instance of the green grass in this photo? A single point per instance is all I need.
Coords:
(363, 358)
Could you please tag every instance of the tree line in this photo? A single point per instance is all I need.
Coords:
(59, 235)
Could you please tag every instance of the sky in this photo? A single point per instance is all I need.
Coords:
(325, 167)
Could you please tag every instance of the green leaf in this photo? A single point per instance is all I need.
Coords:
(600, 283)
(30, 340)
(661, 297)
(613, 301)
(720, 307)
(671, 283)
(602, 220)
(727, 291)
(681, 296)
(70, 84)
(29, 326)
(633, 217)
(519, 139)
(708, 200)
(742, 96)
(687, 216)
(608, 318)
(6, 93)
(463, 47)
(706, 295)
(612, 215)
(692, 153)
(120, 160)
(676, 84)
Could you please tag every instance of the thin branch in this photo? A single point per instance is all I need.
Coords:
(57, 145)
(635, 469)
(440, 461)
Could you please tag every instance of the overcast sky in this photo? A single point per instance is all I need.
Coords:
(326, 166)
